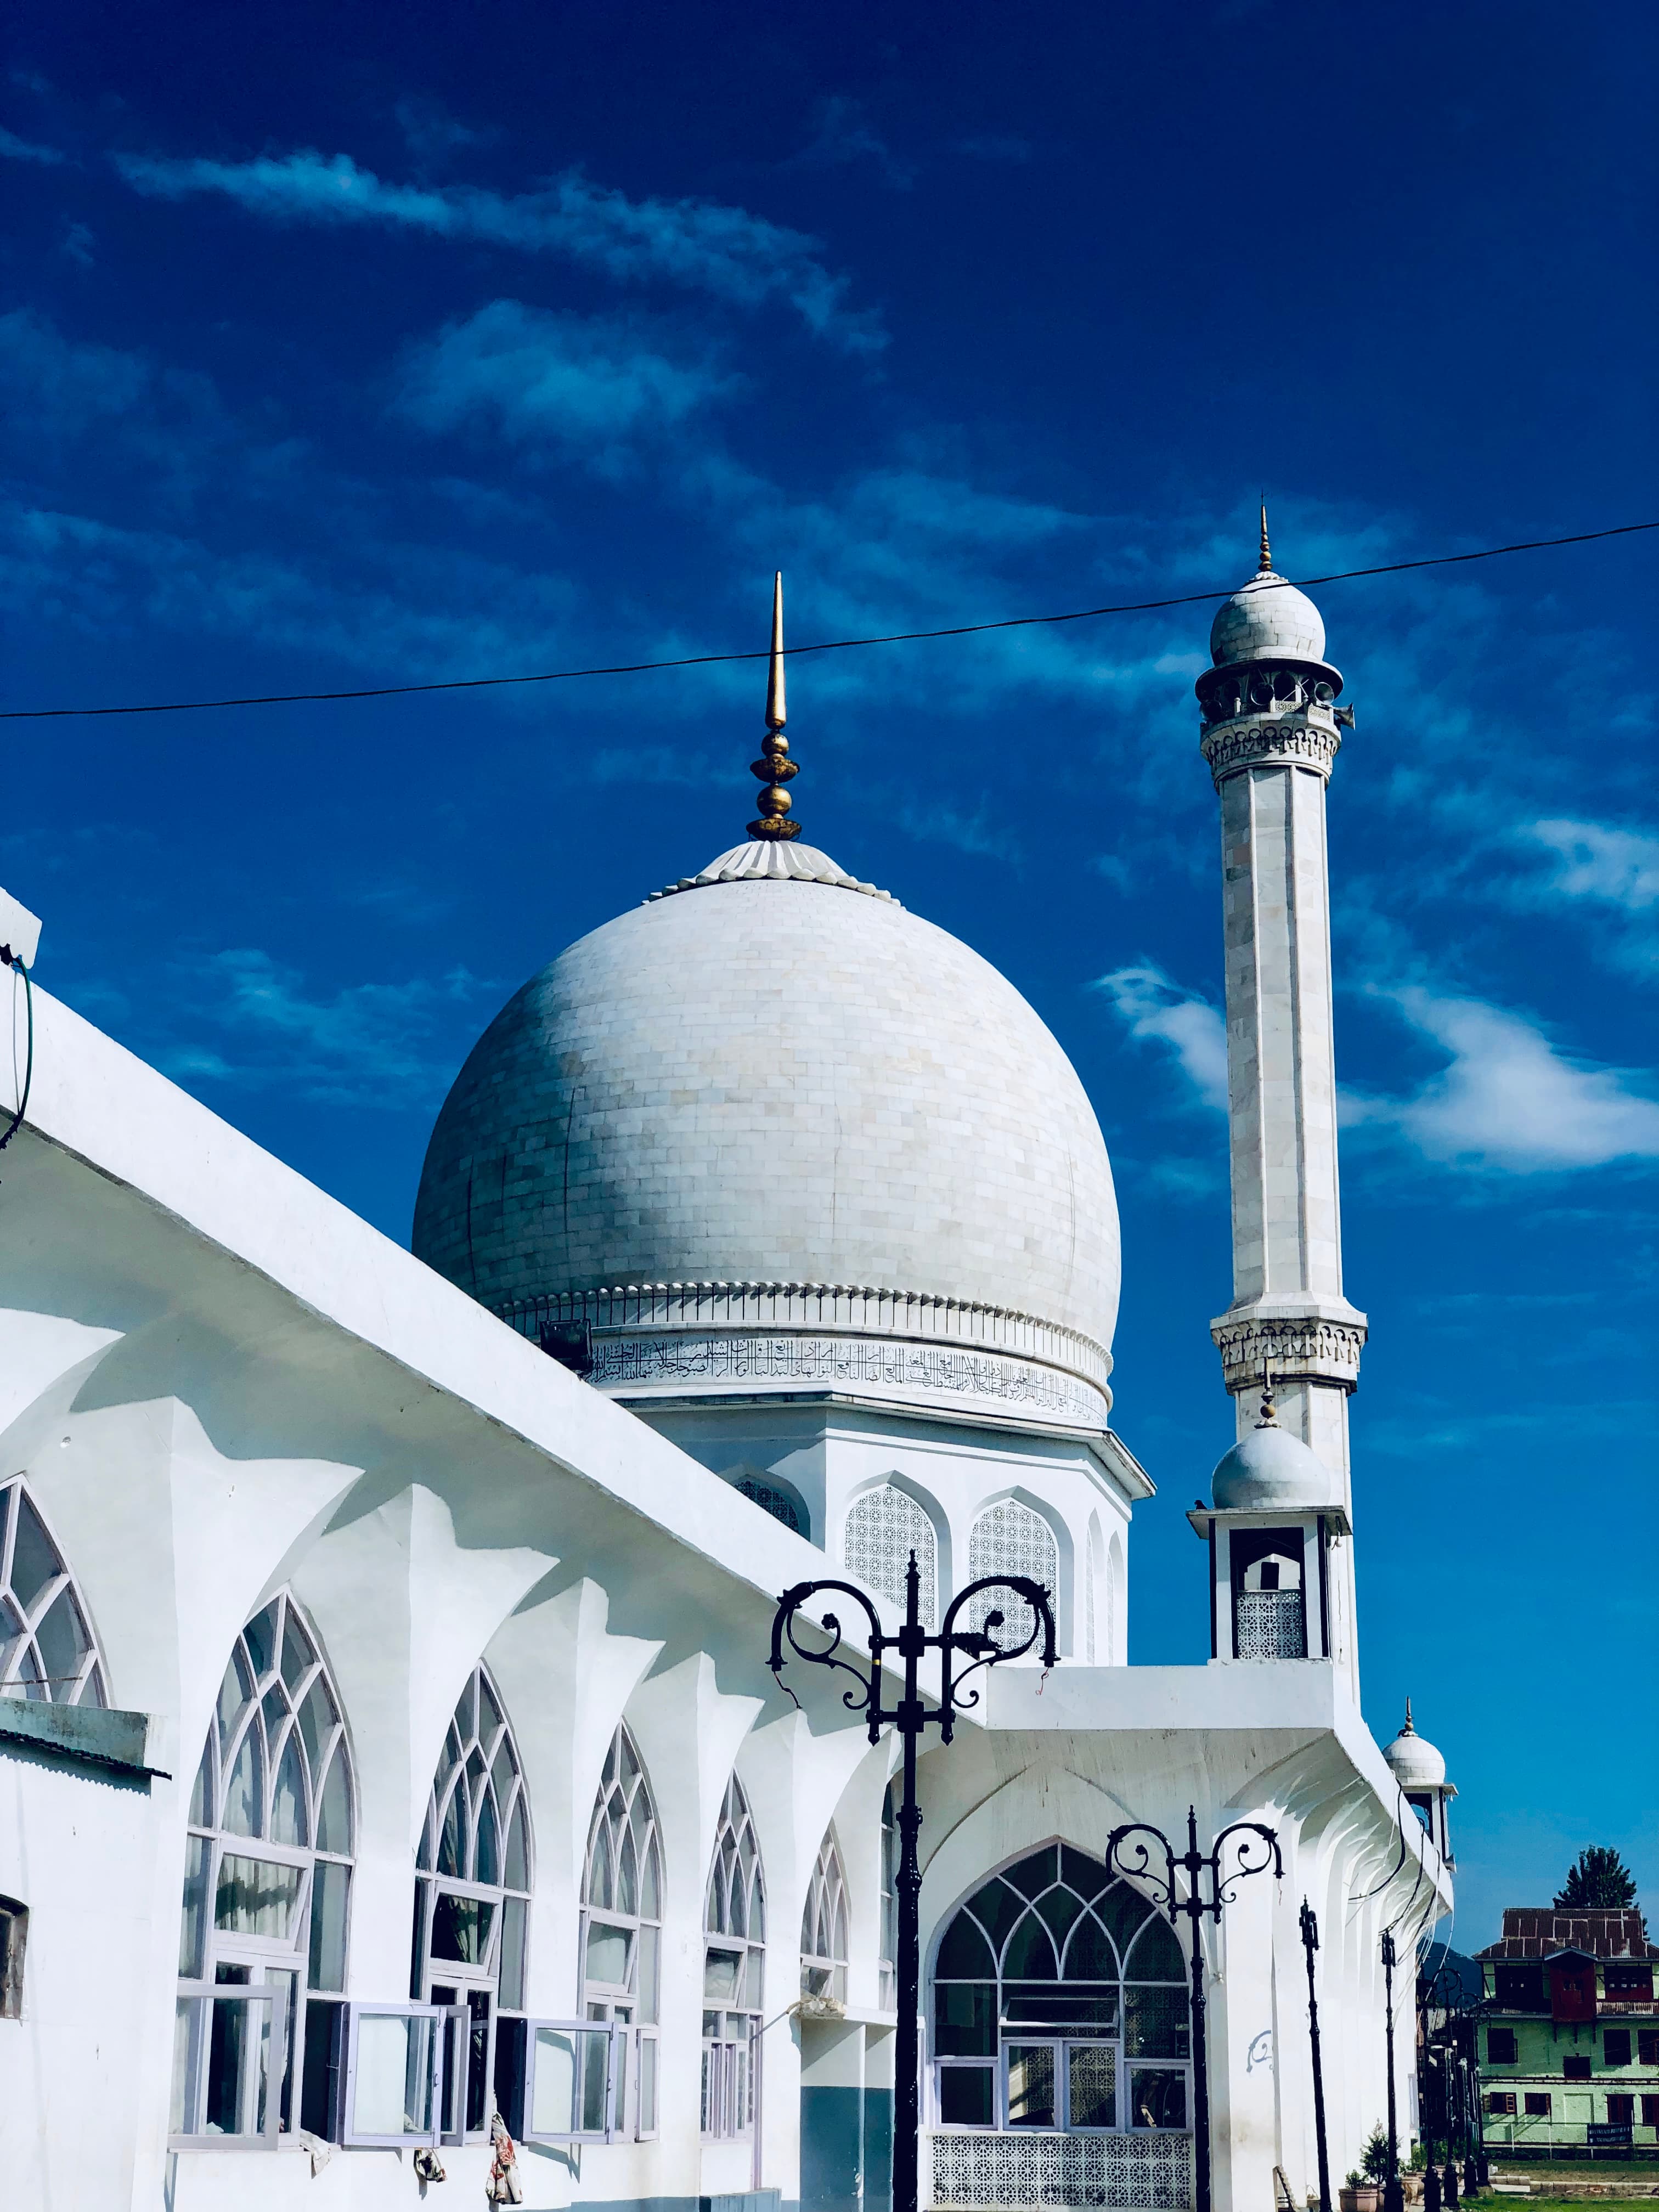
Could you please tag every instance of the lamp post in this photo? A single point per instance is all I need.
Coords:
(1309, 1927)
(1393, 2195)
(980, 1649)
(1202, 1870)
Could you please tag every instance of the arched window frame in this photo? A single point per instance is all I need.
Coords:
(1011, 1537)
(265, 1927)
(621, 1942)
(48, 1646)
(475, 1866)
(1036, 2045)
(884, 1525)
(734, 1970)
(773, 1495)
(824, 1926)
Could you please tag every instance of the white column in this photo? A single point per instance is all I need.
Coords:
(1270, 769)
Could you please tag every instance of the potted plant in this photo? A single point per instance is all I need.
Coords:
(1362, 2190)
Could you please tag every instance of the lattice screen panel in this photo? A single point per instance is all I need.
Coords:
(973, 2169)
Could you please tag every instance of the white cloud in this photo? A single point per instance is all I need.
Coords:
(1616, 867)
(14, 149)
(365, 1044)
(696, 245)
(1509, 1101)
(1150, 1007)
(588, 385)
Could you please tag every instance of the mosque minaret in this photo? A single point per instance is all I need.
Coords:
(1271, 734)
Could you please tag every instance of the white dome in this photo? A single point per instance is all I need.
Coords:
(766, 1082)
(1267, 620)
(1416, 1764)
(1270, 1467)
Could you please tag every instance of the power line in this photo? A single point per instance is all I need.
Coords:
(822, 645)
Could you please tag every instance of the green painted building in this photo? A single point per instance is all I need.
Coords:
(1569, 2048)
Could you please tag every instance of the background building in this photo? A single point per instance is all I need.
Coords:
(1570, 2044)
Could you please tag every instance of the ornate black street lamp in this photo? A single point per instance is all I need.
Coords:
(1393, 2194)
(1202, 1868)
(910, 1717)
(1309, 1923)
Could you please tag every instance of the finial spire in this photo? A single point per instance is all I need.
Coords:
(1410, 1726)
(1266, 552)
(1269, 1417)
(775, 768)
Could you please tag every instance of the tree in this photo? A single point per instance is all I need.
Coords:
(1598, 1881)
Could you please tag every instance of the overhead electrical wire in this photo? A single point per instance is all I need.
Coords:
(821, 645)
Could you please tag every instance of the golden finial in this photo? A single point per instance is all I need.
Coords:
(1410, 1726)
(775, 768)
(1267, 556)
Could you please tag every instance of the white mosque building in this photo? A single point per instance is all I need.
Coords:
(389, 1760)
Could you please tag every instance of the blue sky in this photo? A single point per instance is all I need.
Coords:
(341, 346)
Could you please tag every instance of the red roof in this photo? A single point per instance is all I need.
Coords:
(1534, 1931)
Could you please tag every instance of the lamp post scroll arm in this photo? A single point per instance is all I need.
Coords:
(865, 1698)
(1141, 1870)
(1251, 1858)
(983, 1649)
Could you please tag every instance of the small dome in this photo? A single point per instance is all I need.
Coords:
(1267, 619)
(1416, 1764)
(1271, 1468)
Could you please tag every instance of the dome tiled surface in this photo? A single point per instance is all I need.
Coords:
(1267, 619)
(763, 1080)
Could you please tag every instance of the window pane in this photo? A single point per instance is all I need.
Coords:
(201, 1795)
(965, 2020)
(330, 1887)
(594, 2083)
(647, 2085)
(722, 1974)
(244, 1798)
(517, 1872)
(964, 2096)
(553, 2100)
(649, 1891)
(233, 1693)
(394, 2092)
(238, 2043)
(297, 1654)
(608, 1954)
(288, 1822)
(1156, 1956)
(1157, 2099)
(334, 1812)
(33, 1561)
(316, 2068)
(490, 1840)
(193, 1926)
(1030, 2085)
(460, 1929)
(260, 1637)
(256, 1898)
(61, 1639)
(316, 1720)
(648, 1988)
(1155, 2023)
(512, 1960)
(1091, 2072)
(183, 2021)
(452, 1840)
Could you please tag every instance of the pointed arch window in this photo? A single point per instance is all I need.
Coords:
(1011, 1539)
(473, 1870)
(884, 1527)
(267, 1856)
(1059, 2004)
(621, 1943)
(47, 1651)
(823, 1927)
(734, 1970)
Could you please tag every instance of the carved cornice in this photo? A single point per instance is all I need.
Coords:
(815, 1310)
(1236, 747)
(687, 1361)
(1297, 1347)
